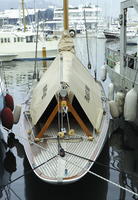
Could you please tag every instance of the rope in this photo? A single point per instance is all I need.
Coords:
(98, 163)
(31, 142)
(62, 120)
(58, 114)
(29, 171)
(80, 168)
(89, 64)
(15, 193)
(68, 121)
(101, 177)
(101, 164)
(107, 180)
(115, 184)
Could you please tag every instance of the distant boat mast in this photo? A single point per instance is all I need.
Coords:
(23, 15)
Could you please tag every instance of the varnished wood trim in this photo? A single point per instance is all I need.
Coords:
(48, 122)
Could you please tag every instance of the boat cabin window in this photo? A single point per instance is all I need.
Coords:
(1, 40)
(18, 39)
(29, 38)
(5, 40)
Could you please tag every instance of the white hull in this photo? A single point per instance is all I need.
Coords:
(124, 84)
(7, 57)
(23, 45)
(30, 55)
(121, 82)
(68, 169)
(42, 120)
(132, 40)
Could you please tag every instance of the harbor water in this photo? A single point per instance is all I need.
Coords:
(118, 161)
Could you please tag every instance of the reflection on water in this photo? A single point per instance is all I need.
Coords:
(120, 151)
(8, 164)
(124, 151)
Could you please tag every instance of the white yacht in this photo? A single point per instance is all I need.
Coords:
(7, 57)
(20, 42)
(23, 45)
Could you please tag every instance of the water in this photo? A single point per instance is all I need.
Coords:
(120, 151)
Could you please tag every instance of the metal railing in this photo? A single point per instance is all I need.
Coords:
(113, 56)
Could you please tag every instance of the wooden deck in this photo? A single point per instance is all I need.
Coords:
(70, 167)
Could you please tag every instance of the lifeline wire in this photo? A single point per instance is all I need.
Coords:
(107, 180)
(117, 185)
(77, 166)
(29, 171)
(15, 193)
(104, 165)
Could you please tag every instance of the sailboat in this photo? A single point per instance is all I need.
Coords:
(65, 118)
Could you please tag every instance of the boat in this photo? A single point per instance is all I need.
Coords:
(19, 42)
(114, 34)
(111, 34)
(7, 57)
(122, 69)
(19, 45)
(65, 117)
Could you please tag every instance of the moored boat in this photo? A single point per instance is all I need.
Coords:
(122, 68)
(65, 118)
(111, 34)
(7, 57)
(19, 45)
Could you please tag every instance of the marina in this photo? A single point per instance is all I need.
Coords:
(55, 121)
(19, 76)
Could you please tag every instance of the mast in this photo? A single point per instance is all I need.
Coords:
(66, 20)
(23, 15)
